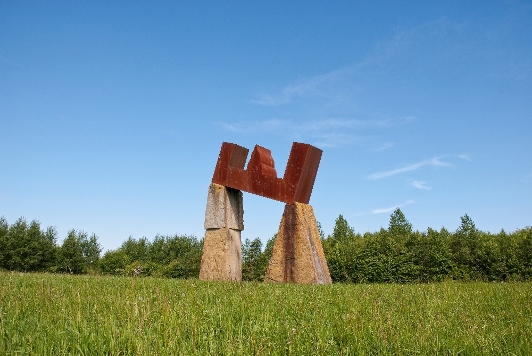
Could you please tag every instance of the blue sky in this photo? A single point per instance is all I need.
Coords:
(112, 114)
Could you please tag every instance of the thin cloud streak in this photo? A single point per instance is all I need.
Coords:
(465, 157)
(379, 61)
(383, 147)
(330, 132)
(443, 37)
(421, 185)
(327, 132)
(314, 125)
(316, 85)
(435, 162)
(527, 178)
(392, 208)
(15, 64)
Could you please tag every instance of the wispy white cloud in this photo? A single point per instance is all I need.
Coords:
(391, 208)
(13, 63)
(434, 162)
(384, 146)
(314, 86)
(327, 132)
(341, 83)
(338, 91)
(256, 126)
(311, 125)
(347, 82)
(323, 133)
(465, 157)
(334, 139)
(421, 185)
(414, 49)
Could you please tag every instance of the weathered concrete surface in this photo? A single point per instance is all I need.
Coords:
(222, 256)
(224, 208)
(222, 247)
(297, 253)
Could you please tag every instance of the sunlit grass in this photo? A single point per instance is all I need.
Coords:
(58, 314)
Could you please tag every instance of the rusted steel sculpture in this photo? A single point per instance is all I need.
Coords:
(297, 253)
(260, 177)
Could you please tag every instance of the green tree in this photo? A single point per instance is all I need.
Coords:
(26, 247)
(433, 255)
(508, 246)
(378, 257)
(114, 262)
(252, 260)
(48, 248)
(321, 233)
(181, 254)
(399, 227)
(4, 230)
(268, 251)
(525, 252)
(71, 259)
(16, 246)
(136, 250)
(78, 253)
(158, 250)
(401, 248)
(265, 257)
(342, 231)
(335, 249)
(465, 246)
(90, 248)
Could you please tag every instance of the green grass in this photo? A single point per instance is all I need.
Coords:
(59, 314)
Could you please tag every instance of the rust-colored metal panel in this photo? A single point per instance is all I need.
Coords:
(260, 177)
(230, 166)
(308, 174)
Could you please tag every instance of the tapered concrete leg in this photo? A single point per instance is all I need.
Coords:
(297, 253)
(222, 246)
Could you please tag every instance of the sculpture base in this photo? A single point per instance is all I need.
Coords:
(297, 253)
(222, 247)
(221, 259)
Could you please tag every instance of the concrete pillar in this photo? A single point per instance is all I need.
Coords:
(222, 246)
(297, 253)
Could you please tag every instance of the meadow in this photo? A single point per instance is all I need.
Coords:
(46, 314)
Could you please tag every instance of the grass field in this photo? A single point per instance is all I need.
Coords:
(91, 315)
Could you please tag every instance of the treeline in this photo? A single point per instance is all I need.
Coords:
(25, 247)
(396, 254)
(399, 254)
(177, 256)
